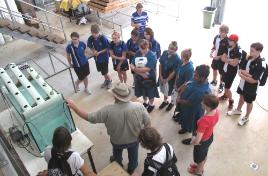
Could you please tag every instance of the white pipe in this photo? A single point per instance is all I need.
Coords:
(41, 82)
(26, 84)
(14, 91)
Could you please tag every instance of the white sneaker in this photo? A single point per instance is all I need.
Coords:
(234, 112)
(242, 121)
(87, 91)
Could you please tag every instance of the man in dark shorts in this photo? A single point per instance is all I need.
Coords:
(99, 46)
(77, 60)
(231, 61)
(220, 46)
(251, 69)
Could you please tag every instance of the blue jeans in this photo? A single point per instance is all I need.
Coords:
(132, 149)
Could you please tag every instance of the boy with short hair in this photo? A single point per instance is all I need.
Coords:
(220, 46)
(251, 70)
(139, 19)
(99, 46)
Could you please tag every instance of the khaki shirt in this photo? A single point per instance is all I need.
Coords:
(122, 120)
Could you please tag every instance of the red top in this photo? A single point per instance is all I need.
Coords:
(206, 125)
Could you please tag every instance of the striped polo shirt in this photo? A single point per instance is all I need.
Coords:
(140, 19)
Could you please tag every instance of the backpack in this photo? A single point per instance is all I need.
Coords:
(58, 165)
(168, 168)
(264, 76)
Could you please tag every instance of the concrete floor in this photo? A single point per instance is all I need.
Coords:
(234, 147)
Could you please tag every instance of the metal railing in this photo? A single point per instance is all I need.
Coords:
(46, 23)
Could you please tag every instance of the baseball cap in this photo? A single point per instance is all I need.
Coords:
(233, 37)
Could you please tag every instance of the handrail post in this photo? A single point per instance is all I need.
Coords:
(10, 13)
(61, 24)
(49, 28)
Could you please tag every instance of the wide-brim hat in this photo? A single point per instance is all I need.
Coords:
(122, 92)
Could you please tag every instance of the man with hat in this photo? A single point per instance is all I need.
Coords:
(231, 61)
(139, 19)
(123, 119)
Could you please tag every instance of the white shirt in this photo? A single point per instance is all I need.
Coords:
(242, 81)
(161, 157)
(75, 160)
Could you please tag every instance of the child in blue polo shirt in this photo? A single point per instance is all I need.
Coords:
(77, 60)
(154, 45)
(132, 48)
(139, 19)
(118, 49)
(99, 46)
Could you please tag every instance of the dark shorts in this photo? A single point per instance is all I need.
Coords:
(217, 65)
(146, 91)
(201, 151)
(102, 67)
(82, 72)
(249, 98)
(228, 79)
(124, 66)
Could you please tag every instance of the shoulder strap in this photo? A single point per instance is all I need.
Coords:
(75, 56)
(168, 152)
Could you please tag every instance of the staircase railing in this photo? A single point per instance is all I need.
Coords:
(45, 23)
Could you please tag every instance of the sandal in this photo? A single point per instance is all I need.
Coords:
(193, 171)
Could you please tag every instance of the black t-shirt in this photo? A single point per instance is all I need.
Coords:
(255, 70)
(235, 53)
(223, 47)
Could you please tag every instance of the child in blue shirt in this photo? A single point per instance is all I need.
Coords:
(118, 49)
(99, 47)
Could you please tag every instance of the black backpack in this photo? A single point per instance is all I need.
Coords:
(264, 76)
(168, 168)
(58, 165)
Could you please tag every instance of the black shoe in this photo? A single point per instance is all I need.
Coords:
(182, 131)
(213, 83)
(112, 159)
(145, 105)
(186, 141)
(221, 88)
(170, 106)
(150, 108)
(164, 104)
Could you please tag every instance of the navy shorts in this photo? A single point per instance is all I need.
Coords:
(82, 72)
(249, 98)
(228, 79)
(201, 151)
(102, 67)
(217, 65)
(124, 66)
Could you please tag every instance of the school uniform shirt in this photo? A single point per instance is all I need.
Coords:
(75, 161)
(131, 46)
(194, 94)
(185, 73)
(142, 20)
(169, 63)
(158, 156)
(221, 46)
(206, 125)
(99, 44)
(77, 54)
(118, 50)
(234, 53)
(255, 69)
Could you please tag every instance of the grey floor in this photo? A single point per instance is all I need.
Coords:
(234, 147)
